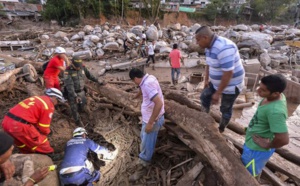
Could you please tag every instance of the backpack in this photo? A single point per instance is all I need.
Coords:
(45, 66)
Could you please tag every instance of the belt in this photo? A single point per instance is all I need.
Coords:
(69, 175)
(16, 118)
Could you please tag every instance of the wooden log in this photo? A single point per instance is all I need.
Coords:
(174, 95)
(210, 144)
(21, 62)
(4, 77)
(272, 177)
(191, 175)
(243, 105)
(208, 140)
(8, 85)
(276, 162)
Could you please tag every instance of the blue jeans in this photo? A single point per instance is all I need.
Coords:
(148, 140)
(177, 70)
(255, 160)
(226, 103)
(82, 177)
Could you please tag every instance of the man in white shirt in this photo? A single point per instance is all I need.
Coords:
(151, 48)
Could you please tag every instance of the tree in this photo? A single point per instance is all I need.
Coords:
(65, 10)
(269, 10)
(216, 7)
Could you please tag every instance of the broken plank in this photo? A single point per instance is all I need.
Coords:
(272, 177)
(191, 175)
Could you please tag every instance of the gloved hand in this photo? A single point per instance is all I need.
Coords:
(110, 147)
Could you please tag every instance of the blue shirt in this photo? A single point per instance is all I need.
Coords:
(223, 55)
(76, 151)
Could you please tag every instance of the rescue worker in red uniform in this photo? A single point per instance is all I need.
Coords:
(56, 64)
(29, 122)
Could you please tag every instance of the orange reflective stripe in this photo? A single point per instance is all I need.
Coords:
(21, 146)
(44, 103)
(44, 125)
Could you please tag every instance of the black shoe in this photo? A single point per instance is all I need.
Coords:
(223, 124)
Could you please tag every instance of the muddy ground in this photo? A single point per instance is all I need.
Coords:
(109, 124)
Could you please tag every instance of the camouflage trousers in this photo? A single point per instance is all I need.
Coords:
(77, 107)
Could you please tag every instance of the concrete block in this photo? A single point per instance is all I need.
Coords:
(252, 65)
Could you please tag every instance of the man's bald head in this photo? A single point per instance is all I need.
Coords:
(204, 36)
(204, 31)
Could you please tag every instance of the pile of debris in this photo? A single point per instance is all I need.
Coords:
(190, 150)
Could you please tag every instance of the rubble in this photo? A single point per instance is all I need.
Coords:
(183, 154)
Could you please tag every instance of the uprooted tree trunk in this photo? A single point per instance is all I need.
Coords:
(214, 148)
(201, 126)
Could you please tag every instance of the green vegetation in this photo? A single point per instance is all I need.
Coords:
(72, 11)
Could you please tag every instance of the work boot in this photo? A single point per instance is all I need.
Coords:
(138, 174)
(79, 123)
(223, 124)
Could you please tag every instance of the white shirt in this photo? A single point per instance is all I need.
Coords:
(151, 48)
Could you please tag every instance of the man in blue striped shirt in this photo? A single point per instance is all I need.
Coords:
(224, 73)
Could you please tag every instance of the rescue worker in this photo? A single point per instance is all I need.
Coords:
(29, 122)
(76, 169)
(74, 78)
(57, 64)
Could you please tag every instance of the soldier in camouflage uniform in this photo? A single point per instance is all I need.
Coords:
(74, 78)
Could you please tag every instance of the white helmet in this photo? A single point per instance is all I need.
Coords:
(79, 131)
(59, 50)
(56, 93)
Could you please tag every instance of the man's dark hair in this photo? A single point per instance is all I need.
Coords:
(6, 142)
(204, 30)
(274, 82)
(175, 46)
(136, 73)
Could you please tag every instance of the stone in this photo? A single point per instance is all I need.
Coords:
(111, 46)
(195, 27)
(88, 29)
(264, 59)
(60, 34)
(75, 37)
(176, 26)
(296, 73)
(152, 33)
(94, 38)
(45, 37)
(165, 50)
(240, 27)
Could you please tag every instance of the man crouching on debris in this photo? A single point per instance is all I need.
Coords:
(8, 169)
(267, 129)
(76, 169)
(224, 73)
(74, 81)
(152, 109)
(29, 122)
